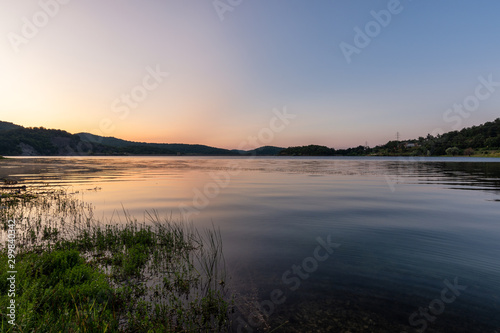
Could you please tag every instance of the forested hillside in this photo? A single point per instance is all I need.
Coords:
(36, 141)
(482, 140)
(16, 140)
(468, 141)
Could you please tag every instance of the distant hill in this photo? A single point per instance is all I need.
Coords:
(474, 140)
(17, 140)
(5, 126)
(174, 148)
(482, 140)
(108, 141)
(36, 141)
(311, 150)
(315, 150)
(266, 150)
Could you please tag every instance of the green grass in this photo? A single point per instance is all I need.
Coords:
(76, 274)
(486, 153)
(58, 290)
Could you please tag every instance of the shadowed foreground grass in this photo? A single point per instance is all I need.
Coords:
(75, 274)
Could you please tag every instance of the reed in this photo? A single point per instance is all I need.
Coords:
(79, 274)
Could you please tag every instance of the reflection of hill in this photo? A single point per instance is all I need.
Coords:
(460, 175)
(477, 175)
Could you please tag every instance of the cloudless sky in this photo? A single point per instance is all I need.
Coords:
(226, 76)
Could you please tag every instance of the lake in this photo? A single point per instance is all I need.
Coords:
(334, 244)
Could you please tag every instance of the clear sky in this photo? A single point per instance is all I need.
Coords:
(70, 64)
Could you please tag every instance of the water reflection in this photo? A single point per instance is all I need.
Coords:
(403, 226)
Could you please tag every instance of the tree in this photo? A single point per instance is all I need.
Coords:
(468, 151)
(452, 151)
(493, 142)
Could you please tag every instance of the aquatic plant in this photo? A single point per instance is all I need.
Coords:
(76, 273)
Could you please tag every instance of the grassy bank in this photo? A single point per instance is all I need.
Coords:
(487, 153)
(77, 274)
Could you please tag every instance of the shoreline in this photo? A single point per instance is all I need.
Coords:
(495, 155)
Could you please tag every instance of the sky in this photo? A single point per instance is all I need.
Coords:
(344, 73)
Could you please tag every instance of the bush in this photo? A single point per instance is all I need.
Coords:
(452, 151)
(468, 151)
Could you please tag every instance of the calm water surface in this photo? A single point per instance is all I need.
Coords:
(406, 230)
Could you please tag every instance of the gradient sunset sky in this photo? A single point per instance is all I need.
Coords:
(230, 65)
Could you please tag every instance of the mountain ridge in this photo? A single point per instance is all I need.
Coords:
(16, 140)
